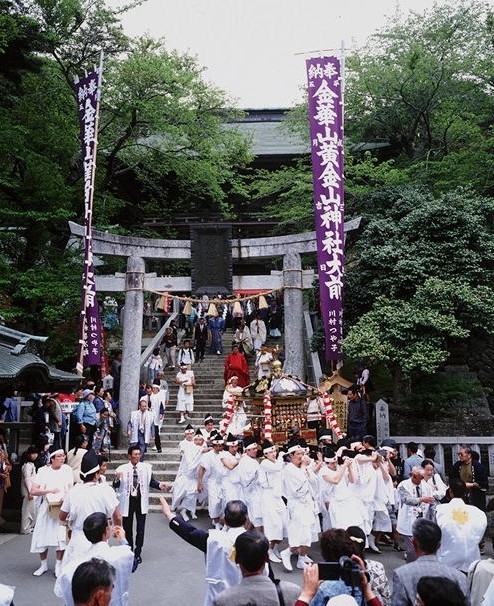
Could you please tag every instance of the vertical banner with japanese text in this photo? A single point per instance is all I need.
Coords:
(325, 108)
(87, 92)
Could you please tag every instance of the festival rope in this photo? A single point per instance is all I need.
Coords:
(227, 415)
(268, 423)
(216, 301)
(330, 416)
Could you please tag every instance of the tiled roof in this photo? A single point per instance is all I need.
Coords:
(18, 354)
(269, 138)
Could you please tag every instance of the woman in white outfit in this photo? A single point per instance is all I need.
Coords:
(185, 396)
(52, 482)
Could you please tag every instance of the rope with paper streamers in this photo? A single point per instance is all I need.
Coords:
(268, 423)
(330, 416)
(166, 298)
(227, 415)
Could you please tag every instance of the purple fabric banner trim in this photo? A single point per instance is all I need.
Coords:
(325, 104)
(89, 350)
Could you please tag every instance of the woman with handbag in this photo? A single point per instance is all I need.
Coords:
(185, 396)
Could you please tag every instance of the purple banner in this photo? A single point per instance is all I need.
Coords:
(326, 134)
(89, 349)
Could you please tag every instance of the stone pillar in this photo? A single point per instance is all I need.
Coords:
(293, 314)
(132, 341)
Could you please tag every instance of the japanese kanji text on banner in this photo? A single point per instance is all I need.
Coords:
(325, 101)
(87, 93)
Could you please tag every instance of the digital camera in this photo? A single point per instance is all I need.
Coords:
(345, 569)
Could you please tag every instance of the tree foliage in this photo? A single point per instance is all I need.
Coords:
(425, 87)
(419, 278)
(162, 146)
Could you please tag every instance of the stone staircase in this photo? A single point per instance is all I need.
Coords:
(207, 400)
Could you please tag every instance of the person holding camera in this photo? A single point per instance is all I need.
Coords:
(343, 571)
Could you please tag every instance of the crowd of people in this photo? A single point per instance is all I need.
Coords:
(368, 493)
(269, 505)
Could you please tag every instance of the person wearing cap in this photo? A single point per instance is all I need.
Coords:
(158, 401)
(98, 531)
(52, 482)
(85, 415)
(210, 474)
(208, 427)
(132, 483)
(299, 485)
(186, 381)
(248, 469)
(140, 428)
(184, 491)
(273, 508)
(82, 500)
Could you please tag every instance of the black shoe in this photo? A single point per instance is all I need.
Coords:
(159, 450)
(396, 547)
(137, 561)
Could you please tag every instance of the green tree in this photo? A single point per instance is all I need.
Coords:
(424, 86)
(161, 135)
(419, 280)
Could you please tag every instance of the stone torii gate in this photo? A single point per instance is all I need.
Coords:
(292, 279)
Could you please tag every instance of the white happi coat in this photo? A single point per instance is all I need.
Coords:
(303, 525)
(340, 505)
(81, 501)
(409, 506)
(123, 492)
(221, 571)
(230, 480)
(185, 401)
(158, 404)
(185, 482)
(462, 527)
(213, 474)
(134, 423)
(121, 557)
(248, 469)
(273, 508)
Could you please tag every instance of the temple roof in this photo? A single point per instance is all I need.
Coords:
(20, 363)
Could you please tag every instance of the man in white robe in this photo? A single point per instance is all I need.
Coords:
(97, 532)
